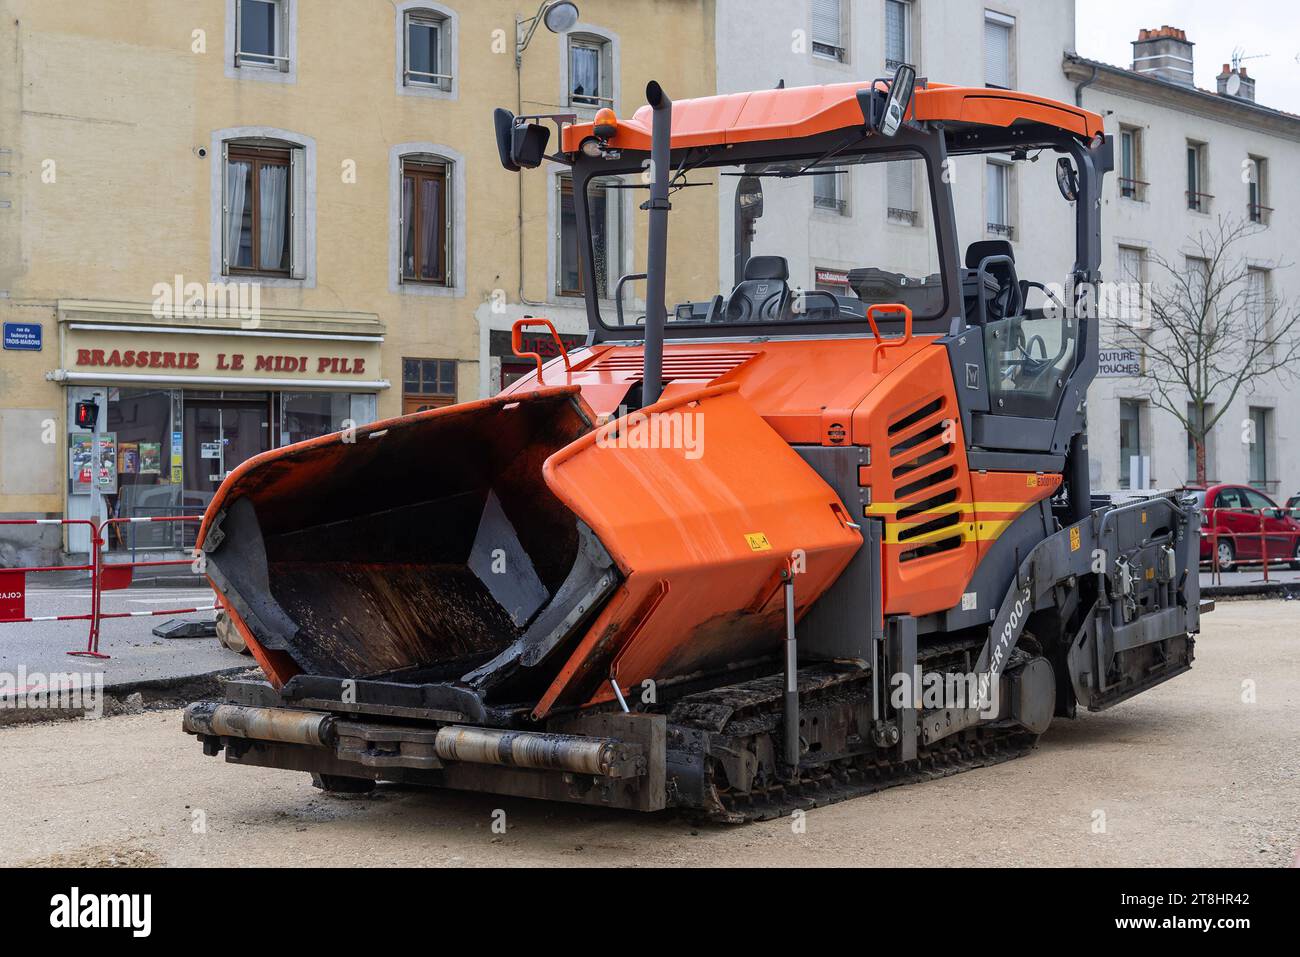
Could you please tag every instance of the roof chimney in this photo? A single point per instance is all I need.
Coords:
(1165, 53)
(1234, 82)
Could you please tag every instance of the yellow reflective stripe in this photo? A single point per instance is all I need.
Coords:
(969, 532)
(892, 508)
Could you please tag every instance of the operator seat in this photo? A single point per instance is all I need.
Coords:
(764, 293)
(1002, 303)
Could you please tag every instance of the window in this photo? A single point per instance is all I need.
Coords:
(1131, 185)
(1259, 305)
(1131, 298)
(998, 199)
(604, 210)
(1257, 190)
(257, 229)
(425, 222)
(997, 49)
(427, 51)
(590, 72)
(427, 384)
(260, 32)
(1261, 424)
(900, 192)
(1134, 468)
(828, 191)
(828, 29)
(898, 33)
(1197, 199)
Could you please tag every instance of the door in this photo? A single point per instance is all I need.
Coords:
(218, 437)
(1236, 523)
(1277, 530)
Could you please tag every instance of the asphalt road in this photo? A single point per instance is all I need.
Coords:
(1195, 772)
(136, 653)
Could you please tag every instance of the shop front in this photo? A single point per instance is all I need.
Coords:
(168, 411)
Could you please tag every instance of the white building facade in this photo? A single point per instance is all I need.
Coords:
(864, 217)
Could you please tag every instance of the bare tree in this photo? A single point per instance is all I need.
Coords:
(1208, 331)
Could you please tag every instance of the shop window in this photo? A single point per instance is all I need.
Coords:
(425, 222)
(427, 384)
(261, 187)
(138, 467)
(306, 415)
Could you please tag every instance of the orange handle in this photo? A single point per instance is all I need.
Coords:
(894, 341)
(517, 343)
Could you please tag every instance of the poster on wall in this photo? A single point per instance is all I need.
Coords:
(150, 458)
(128, 458)
(105, 463)
(80, 453)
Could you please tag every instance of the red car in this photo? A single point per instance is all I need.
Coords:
(1231, 517)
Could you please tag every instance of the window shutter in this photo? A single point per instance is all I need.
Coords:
(900, 194)
(298, 213)
(448, 217)
(225, 211)
(997, 52)
(826, 22)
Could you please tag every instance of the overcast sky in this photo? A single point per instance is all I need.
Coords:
(1106, 28)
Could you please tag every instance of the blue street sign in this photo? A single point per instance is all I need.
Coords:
(23, 335)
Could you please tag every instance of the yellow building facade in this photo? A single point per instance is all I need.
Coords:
(227, 225)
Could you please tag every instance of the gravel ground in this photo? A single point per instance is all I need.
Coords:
(1187, 774)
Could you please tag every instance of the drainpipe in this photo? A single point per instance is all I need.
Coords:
(1080, 87)
(519, 218)
(657, 241)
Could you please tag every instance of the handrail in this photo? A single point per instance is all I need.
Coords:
(893, 342)
(517, 343)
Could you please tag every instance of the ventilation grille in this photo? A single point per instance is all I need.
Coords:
(924, 479)
(677, 365)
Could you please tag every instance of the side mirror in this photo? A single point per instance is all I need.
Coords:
(519, 146)
(1067, 179)
(899, 99)
(749, 197)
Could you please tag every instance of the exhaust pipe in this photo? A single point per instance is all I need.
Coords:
(661, 132)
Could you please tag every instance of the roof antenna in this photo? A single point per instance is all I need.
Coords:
(780, 84)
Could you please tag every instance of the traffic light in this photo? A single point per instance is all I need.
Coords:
(87, 415)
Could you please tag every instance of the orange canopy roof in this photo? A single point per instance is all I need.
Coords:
(809, 110)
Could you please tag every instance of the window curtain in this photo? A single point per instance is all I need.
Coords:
(430, 221)
(584, 69)
(272, 185)
(238, 216)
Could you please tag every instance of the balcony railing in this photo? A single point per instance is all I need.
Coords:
(830, 203)
(1134, 189)
(1001, 229)
(907, 216)
(1259, 213)
(1198, 202)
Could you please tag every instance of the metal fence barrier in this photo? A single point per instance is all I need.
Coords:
(1253, 543)
(104, 576)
